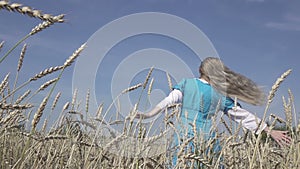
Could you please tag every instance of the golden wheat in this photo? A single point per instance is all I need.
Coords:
(46, 84)
(78, 143)
(87, 101)
(1, 45)
(22, 97)
(46, 72)
(277, 84)
(169, 81)
(4, 83)
(55, 100)
(131, 88)
(72, 58)
(150, 87)
(148, 77)
(39, 113)
(40, 27)
(20, 63)
(7, 106)
(15, 7)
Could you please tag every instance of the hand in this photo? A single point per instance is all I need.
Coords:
(139, 115)
(281, 137)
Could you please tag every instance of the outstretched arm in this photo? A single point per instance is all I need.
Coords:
(250, 121)
(174, 97)
(151, 113)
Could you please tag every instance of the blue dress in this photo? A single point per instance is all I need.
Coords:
(200, 103)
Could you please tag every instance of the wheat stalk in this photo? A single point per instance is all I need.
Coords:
(1, 45)
(99, 111)
(183, 146)
(131, 88)
(150, 140)
(87, 101)
(15, 106)
(4, 83)
(46, 84)
(9, 117)
(226, 126)
(74, 97)
(71, 59)
(150, 87)
(44, 125)
(22, 97)
(40, 27)
(197, 158)
(66, 106)
(291, 96)
(55, 100)
(280, 120)
(169, 81)
(117, 139)
(148, 77)
(26, 10)
(55, 137)
(46, 72)
(277, 84)
(20, 63)
(270, 99)
(288, 112)
(39, 113)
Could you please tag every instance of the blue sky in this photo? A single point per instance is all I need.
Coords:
(257, 38)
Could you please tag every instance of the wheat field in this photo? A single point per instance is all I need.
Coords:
(82, 139)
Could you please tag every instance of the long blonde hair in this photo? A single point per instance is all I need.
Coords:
(230, 83)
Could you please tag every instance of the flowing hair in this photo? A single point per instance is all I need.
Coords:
(230, 83)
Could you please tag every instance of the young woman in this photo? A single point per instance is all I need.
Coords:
(203, 97)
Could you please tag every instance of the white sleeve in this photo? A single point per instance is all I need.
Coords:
(174, 97)
(248, 120)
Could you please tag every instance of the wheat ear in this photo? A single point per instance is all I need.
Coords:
(74, 97)
(71, 59)
(1, 45)
(169, 81)
(40, 27)
(4, 83)
(39, 113)
(14, 106)
(291, 96)
(66, 106)
(131, 88)
(46, 72)
(55, 101)
(87, 101)
(270, 99)
(277, 84)
(44, 125)
(150, 87)
(99, 111)
(20, 63)
(26, 10)
(288, 112)
(22, 97)
(148, 77)
(48, 83)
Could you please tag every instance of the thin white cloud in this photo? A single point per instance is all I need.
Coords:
(283, 26)
(290, 23)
